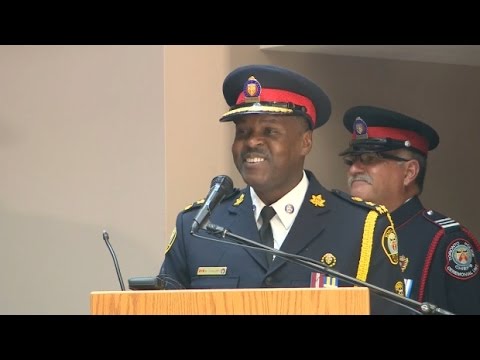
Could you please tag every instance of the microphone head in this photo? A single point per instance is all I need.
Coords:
(105, 235)
(224, 181)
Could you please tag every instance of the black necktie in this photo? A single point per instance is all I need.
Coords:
(266, 236)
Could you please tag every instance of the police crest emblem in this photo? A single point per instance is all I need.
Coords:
(390, 244)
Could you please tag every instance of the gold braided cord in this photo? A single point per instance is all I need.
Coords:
(390, 219)
(367, 244)
(260, 109)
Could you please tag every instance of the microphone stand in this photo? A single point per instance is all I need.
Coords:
(424, 308)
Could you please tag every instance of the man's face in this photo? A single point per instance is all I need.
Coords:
(378, 179)
(269, 151)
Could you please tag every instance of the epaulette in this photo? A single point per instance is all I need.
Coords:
(381, 209)
(200, 202)
(448, 224)
(194, 205)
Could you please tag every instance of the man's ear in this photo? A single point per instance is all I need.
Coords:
(411, 172)
(307, 142)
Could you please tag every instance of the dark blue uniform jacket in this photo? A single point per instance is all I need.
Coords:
(439, 258)
(358, 235)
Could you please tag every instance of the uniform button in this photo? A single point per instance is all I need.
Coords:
(269, 281)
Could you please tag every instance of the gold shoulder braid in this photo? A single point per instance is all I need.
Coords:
(173, 236)
(367, 243)
(389, 243)
(389, 237)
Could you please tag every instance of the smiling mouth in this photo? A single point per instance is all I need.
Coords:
(254, 160)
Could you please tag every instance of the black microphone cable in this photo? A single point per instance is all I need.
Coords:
(115, 261)
(410, 304)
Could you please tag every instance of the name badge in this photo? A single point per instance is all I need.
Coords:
(212, 270)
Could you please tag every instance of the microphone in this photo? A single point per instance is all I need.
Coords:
(159, 282)
(220, 186)
(115, 261)
(146, 283)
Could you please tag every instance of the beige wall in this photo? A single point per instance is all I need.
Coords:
(82, 150)
(123, 137)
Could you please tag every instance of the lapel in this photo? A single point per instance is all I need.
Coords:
(242, 222)
(309, 223)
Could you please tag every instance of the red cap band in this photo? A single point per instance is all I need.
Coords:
(286, 97)
(416, 140)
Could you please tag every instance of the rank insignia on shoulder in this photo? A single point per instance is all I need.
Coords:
(390, 244)
(173, 236)
(461, 263)
(448, 224)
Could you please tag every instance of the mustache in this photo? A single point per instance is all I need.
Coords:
(359, 177)
(253, 153)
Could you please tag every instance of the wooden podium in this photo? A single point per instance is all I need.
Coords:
(263, 301)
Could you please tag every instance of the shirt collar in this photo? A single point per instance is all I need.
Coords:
(294, 198)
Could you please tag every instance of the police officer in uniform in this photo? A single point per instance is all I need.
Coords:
(275, 111)
(387, 162)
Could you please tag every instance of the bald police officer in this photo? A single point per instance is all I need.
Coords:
(387, 162)
(275, 111)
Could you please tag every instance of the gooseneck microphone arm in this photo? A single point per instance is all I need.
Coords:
(424, 308)
(115, 261)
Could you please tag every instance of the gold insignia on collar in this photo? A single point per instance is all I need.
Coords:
(355, 198)
(200, 201)
(329, 259)
(239, 200)
(399, 288)
(403, 260)
(317, 200)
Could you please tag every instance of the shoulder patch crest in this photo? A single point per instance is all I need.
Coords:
(381, 209)
(460, 260)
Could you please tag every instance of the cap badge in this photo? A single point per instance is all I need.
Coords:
(317, 200)
(360, 128)
(252, 90)
(239, 200)
(329, 259)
